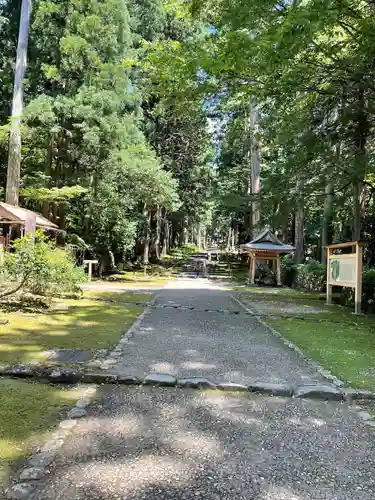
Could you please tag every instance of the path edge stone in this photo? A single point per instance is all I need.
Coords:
(116, 352)
(322, 371)
(37, 466)
(349, 395)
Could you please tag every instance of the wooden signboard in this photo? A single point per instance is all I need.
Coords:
(345, 269)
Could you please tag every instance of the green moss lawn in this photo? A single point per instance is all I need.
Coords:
(27, 412)
(69, 324)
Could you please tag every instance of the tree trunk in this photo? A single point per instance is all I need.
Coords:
(232, 244)
(285, 211)
(146, 246)
(299, 224)
(185, 232)
(235, 234)
(204, 238)
(48, 169)
(357, 189)
(62, 220)
(327, 221)
(248, 229)
(14, 157)
(255, 170)
(229, 238)
(165, 234)
(360, 164)
(199, 235)
(157, 232)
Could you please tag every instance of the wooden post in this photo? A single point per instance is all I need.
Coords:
(89, 264)
(329, 287)
(274, 267)
(89, 271)
(253, 266)
(358, 276)
(278, 271)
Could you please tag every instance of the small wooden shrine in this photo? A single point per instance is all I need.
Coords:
(17, 221)
(265, 247)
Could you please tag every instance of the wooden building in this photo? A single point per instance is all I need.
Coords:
(265, 248)
(16, 222)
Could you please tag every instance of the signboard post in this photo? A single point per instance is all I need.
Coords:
(89, 264)
(345, 269)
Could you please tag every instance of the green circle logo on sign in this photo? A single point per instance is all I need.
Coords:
(335, 270)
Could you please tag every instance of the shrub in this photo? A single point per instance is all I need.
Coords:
(368, 292)
(311, 276)
(368, 289)
(38, 266)
(288, 270)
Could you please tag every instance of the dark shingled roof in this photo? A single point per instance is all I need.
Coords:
(267, 242)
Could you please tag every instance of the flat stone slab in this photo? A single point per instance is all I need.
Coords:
(64, 375)
(230, 386)
(160, 379)
(196, 383)
(319, 391)
(274, 389)
(69, 355)
(357, 394)
(41, 460)
(20, 371)
(77, 413)
(22, 491)
(32, 473)
(100, 378)
(128, 380)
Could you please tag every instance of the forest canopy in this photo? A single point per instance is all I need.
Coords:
(148, 124)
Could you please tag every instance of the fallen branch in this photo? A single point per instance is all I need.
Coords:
(16, 289)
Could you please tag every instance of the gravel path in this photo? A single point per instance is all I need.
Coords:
(218, 346)
(174, 444)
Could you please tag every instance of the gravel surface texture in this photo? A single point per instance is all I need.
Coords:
(276, 307)
(219, 346)
(173, 444)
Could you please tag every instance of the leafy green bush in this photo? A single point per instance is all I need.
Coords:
(368, 289)
(288, 270)
(368, 292)
(38, 266)
(311, 276)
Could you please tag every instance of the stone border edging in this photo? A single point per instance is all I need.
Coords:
(115, 353)
(348, 393)
(37, 467)
(65, 375)
(322, 371)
